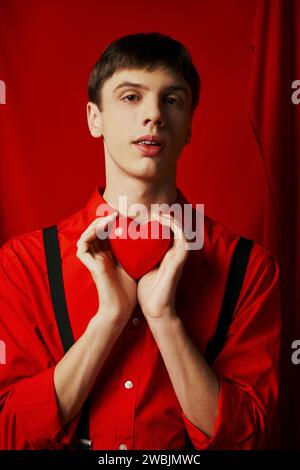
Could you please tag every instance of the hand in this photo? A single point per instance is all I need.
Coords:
(116, 289)
(157, 288)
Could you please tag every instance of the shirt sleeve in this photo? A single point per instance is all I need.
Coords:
(29, 414)
(248, 365)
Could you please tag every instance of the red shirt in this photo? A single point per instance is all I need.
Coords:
(146, 415)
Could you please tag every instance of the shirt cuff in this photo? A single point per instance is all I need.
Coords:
(238, 425)
(37, 413)
(199, 439)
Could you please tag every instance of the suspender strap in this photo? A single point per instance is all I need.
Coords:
(233, 288)
(53, 261)
(234, 284)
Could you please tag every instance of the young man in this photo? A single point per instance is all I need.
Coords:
(138, 358)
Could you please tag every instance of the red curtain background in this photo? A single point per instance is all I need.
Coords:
(242, 162)
(276, 125)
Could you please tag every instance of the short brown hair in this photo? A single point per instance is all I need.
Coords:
(143, 51)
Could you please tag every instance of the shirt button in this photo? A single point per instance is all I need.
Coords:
(128, 384)
(136, 321)
(122, 447)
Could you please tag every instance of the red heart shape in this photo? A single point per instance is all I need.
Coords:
(139, 255)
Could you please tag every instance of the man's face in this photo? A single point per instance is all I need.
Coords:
(137, 103)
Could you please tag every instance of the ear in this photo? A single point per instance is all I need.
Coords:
(94, 119)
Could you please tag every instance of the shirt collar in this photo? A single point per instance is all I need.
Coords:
(97, 200)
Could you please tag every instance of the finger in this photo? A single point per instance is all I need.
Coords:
(104, 228)
(88, 242)
(101, 221)
(93, 258)
(169, 221)
(180, 245)
(87, 260)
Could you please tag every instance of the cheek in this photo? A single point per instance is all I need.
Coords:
(178, 121)
(122, 125)
(179, 132)
(114, 128)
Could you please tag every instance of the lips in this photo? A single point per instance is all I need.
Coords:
(150, 145)
(154, 139)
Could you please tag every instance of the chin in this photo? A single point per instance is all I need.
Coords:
(149, 170)
(146, 174)
(145, 168)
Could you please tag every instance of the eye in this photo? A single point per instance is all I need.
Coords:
(171, 100)
(130, 98)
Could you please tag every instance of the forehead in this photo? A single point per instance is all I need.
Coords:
(155, 80)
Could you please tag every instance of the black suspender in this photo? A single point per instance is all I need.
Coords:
(53, 261)
(56, 284)
(236, 274)
(234, 284)
(233, 288)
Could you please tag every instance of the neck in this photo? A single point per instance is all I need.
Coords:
(159, 191)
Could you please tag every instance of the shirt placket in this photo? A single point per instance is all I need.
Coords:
(130, 377)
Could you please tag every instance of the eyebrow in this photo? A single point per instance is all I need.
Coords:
(144, 87)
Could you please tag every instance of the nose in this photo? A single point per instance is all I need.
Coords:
(152, 113)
